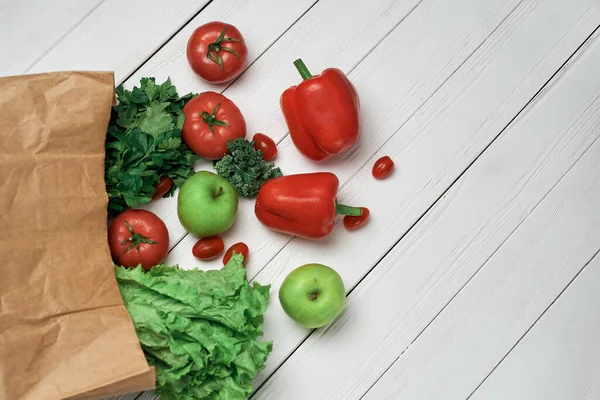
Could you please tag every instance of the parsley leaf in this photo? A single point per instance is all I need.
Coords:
(155, 120)
(144, 143)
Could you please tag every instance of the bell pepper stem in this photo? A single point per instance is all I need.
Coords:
(302, 69)
(348, 210)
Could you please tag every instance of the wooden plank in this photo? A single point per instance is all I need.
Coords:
(384, 110)
(431, 149)
(506, 297)
(560, 357)
(349, 36)
(30, 28)
(118, 36)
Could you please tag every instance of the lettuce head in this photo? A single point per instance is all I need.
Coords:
(199, 329)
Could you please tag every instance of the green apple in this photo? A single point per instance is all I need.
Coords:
(313, 295)
(207, 204)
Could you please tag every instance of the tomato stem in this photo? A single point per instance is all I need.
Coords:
(135, 239)
(302, 69)
(216, 46)
(348, 210)
(211, 119)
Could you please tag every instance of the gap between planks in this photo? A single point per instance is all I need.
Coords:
(538, 346)
(109, 39)
(21, 45)
(62, 37)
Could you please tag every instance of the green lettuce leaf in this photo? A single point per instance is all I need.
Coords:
(198, 328)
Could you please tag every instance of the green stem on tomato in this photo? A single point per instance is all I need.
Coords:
(211, 119)
(302, 69)
(217, 46)
(348, 210)
(135, 240)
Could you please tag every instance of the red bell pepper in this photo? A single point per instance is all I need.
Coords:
(302, 205)
(322, 113)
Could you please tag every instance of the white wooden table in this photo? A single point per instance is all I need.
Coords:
(478, 274)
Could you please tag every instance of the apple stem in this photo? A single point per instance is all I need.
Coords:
(219, 192)
(313, 296)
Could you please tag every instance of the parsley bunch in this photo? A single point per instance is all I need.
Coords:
(144, 144)
(244, 167)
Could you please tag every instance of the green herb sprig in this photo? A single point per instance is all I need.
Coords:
(144, 144)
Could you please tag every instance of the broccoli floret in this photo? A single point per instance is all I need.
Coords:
(245, 168)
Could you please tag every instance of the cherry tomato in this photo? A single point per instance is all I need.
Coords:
(352, 223)
(211, 120)
(266, 145)
(239, 248)
(162, 187)
(138, 237)
(383, 167)
(217, 52)
(208, 248)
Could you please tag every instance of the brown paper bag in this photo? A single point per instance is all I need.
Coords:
(64, 332)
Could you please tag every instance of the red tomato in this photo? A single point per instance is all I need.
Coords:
(211, 120)
(383, 167)
(162, 187)
(138, 237)
(351, 223)
(217, 52)
(266, 145)
(239, 248)
(208, 248)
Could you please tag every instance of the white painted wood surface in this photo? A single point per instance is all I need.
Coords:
(432, 263)
(118, 35)
(517, 284)
(29, 29)
(439, 80)
(434, 147)
(560, 357)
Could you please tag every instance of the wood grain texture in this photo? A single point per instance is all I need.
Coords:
(522, 278)
(560, 357)
(118, 36)
(434, 147)
(30, 28)
(329, 34)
